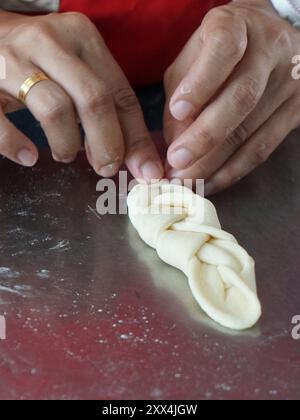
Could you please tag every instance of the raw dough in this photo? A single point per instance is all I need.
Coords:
(185, 231)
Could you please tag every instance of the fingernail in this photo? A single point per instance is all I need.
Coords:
(209, 188)
(173, 174)
(69, 160)
(181, 158)
(27, 158)
(151, 171)
(63, 160)
(181, 110)
(109, 171)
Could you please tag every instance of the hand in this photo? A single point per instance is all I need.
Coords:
(231, 97)
(86, 85)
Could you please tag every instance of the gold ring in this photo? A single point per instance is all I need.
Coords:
(29, 83)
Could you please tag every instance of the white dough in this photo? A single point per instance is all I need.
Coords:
(185, 231)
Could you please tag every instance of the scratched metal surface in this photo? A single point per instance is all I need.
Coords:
(92, 312)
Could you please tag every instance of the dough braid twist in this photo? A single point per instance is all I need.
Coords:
(185, 231)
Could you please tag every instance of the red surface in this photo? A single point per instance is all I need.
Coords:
(145, 36)
(101, 316)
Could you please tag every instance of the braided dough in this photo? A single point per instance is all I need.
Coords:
(185, 231)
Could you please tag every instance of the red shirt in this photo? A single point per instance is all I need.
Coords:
(145, 36)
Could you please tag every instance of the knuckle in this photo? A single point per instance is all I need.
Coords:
(140, 143)
(9, 54)
(38, 30)
(235, 139)
(226, 32)
(284, 42)
(203, 135)
(55, 108)
(217, 14)
(89, 38)
(96, 99)
(260, 153)
(38, 34)
(246, 96)
(226, 43)
(126, 100)
(80, 20)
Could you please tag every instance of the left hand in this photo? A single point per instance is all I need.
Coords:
(231, 97)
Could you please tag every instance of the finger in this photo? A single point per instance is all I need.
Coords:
(257, 150)
(142, 157)
(54, 109)
(213, 160)
(94, 104)
(173, 128)
(223, 42)
(50, 105)
(14, 145)
(227, 112)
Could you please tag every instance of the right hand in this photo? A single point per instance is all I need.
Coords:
(86, 84)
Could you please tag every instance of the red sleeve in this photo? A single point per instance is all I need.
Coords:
(145, 36)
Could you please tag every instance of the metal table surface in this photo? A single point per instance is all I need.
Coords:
(93, 314)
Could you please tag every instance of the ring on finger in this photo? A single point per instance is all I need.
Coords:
(30, 83)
